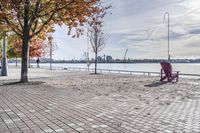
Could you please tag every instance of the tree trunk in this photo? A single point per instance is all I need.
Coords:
(95, 69)
(29, 61)
(16, 61)
(24, 65)
(25, 45)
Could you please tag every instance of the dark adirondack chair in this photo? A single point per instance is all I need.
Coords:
(167, 73)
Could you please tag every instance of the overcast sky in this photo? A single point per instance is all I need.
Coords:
(139, 26)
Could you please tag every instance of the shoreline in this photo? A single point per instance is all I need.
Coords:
(112, 71)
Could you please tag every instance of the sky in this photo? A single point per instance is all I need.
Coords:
(139, 26)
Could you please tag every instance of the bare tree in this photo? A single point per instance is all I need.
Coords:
(95, 33)
(97, 41)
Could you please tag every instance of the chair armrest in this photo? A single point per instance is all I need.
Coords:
(175, 71)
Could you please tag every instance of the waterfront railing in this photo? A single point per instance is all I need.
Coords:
(128, 72)
(148, 73)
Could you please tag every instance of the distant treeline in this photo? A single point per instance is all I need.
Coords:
(119, 61)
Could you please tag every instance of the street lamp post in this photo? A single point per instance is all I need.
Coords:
(88, 58)
(51, 56)
(50, 38)
(4, 64)
(167, 13)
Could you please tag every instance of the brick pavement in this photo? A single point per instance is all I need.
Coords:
(27, 109)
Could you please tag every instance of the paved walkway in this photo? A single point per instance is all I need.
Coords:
(27, 109)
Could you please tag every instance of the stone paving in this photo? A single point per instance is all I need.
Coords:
(32, 110)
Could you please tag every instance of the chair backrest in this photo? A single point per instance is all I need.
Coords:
(167, 68)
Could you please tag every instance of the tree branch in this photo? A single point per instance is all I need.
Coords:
(51, 17)
(34, 14)
(44, 24)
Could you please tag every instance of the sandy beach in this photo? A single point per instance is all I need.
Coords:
(122, 103)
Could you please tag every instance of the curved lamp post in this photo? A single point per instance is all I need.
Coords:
(167, 14)
(4, 64)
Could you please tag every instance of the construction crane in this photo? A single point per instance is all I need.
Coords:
(125, 54)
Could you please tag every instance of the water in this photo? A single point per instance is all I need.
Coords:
(188, 68)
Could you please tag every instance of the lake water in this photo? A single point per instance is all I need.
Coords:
(184, 68)
(188, 68)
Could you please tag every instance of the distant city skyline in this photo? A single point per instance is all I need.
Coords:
(138, 25)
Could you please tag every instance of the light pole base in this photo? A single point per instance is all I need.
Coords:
(4, 67)
(169, 58)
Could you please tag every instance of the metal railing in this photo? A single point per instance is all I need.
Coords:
(48, 67)
(148, 73)
(129, 72)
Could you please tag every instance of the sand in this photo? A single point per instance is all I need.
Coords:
(82, 85)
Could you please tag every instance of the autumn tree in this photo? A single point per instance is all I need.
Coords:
(28, 18)
(37, 46)
(10, 52)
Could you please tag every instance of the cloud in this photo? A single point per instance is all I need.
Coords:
(139, 26)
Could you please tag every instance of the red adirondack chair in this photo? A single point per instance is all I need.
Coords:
(168, 73)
